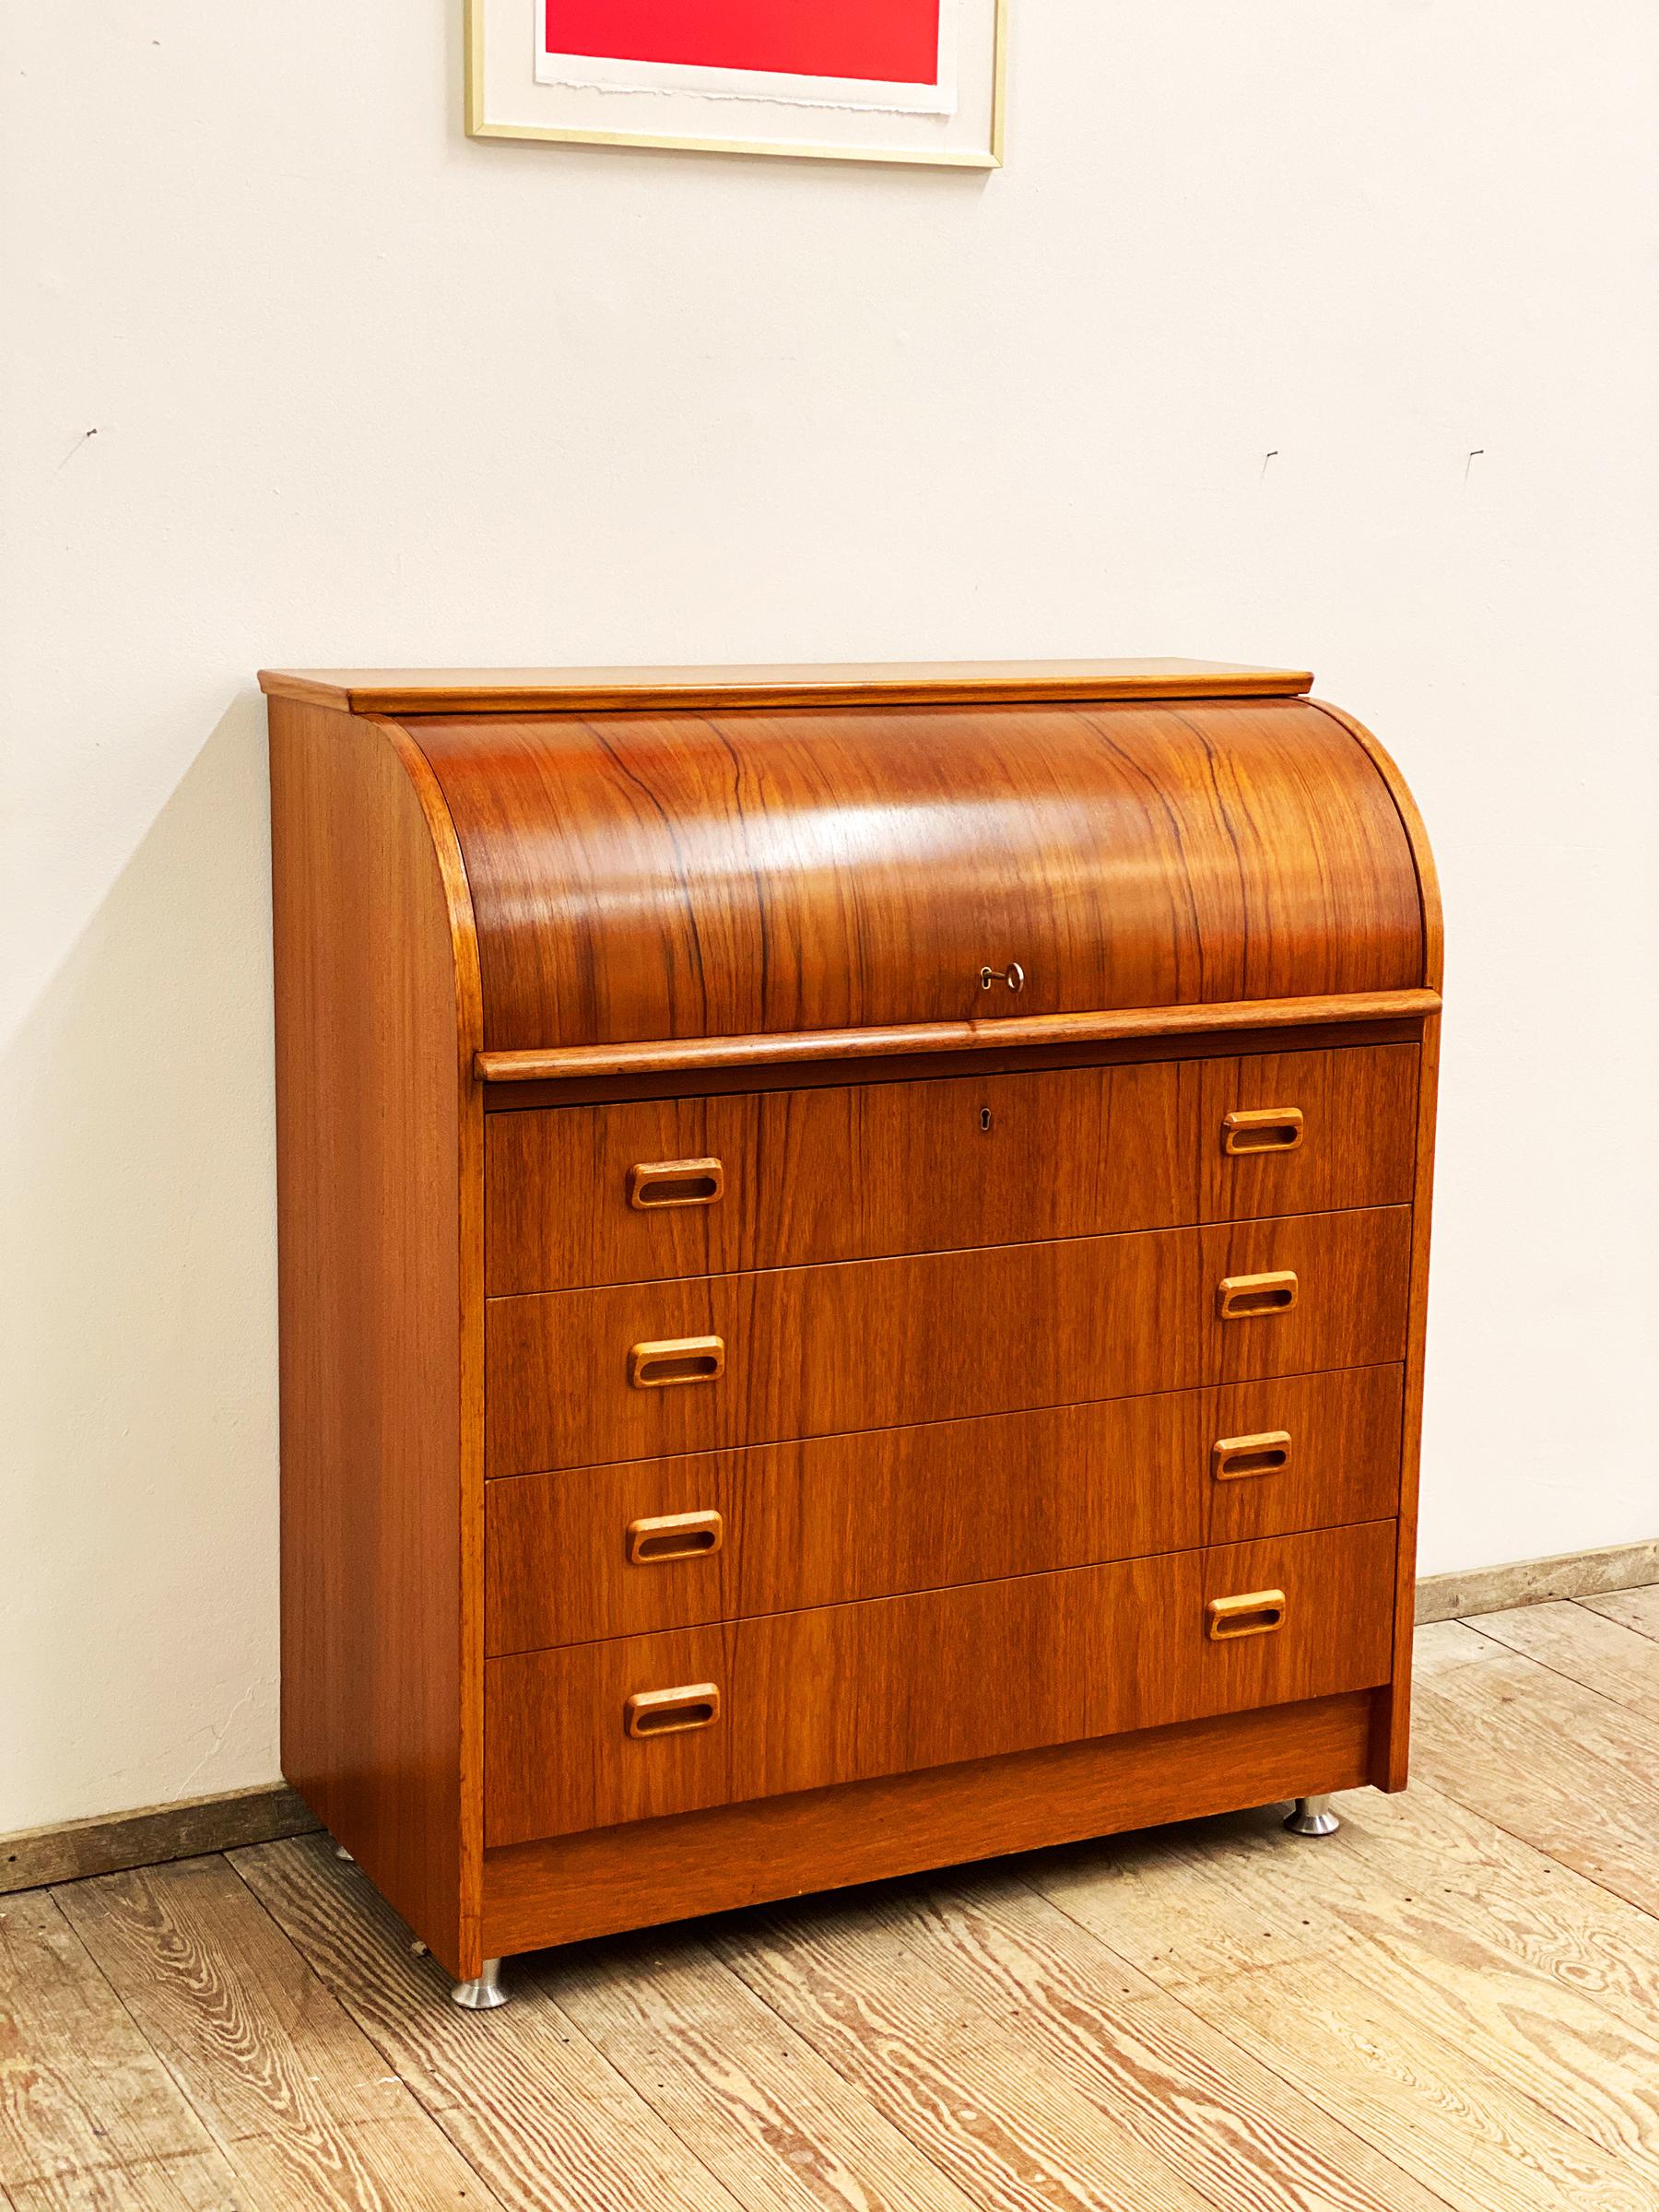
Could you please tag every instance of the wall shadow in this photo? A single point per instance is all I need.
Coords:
(139, 1626)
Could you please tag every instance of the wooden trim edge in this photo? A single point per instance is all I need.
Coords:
(1416, 838)
(661, 1055)
(412, 691)
(684, 1865)
(469, 1175)
(69, 1850)
(1478, 1590)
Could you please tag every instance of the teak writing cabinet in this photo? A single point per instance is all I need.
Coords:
(853, 1258)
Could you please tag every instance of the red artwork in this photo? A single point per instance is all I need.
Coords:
(876, 41)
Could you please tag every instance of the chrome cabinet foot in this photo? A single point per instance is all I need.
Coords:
(1313, 1816)
(485, 1994)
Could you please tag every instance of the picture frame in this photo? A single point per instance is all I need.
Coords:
(908, 82)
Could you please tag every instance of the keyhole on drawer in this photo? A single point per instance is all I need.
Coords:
(984, 1117)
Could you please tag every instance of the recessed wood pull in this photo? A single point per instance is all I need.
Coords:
(672, 1712)
(674, 1536)
(1258, 1612)
(1232, 1457)
(1242, 1297)
(655, 1186)
(677, 1359)
(1263, 1129)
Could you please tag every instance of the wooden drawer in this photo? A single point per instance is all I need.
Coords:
(1307, 1133)
(664, 1543)
(780, 1178)
(797, 1700)
(811, 1351)
(659, 1188)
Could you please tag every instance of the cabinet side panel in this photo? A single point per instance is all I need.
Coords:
(380, 1568)
(1392, 1739)
(1392, 1747)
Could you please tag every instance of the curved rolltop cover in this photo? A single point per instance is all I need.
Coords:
(705, 866)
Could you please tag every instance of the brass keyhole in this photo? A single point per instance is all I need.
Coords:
(1013, 975)
(984, 1117)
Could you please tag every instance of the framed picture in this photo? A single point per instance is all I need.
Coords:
(841, 80)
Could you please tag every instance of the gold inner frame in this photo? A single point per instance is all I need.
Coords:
(479, 126)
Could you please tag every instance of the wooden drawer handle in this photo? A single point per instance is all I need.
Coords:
(1232, 1457)
(677, 1359)
(672, 1712)
(674, 1536)
(1258, 1612)
(1242, 1297)
(1263, 1129)
(655, 1185)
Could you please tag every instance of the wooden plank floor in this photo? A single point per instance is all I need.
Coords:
(1454, 2003)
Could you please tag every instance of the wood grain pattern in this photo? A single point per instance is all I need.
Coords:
(1601, 1655)
(380, 1140)
(1637, 1609)
(1423, 2011)
(700, 867)
(1453, 1975)
(1359, 1136)
(983, 1292)
(1417, 837)
(988, 2107)
(777, 2123)
(991, 1955)
(194, 2181)
(868, 1170)
(859, 1172)
(1372, 2041)
(873, 1344)
(693, 1073)
(1232, 2124)
(762, 1056)
(589, 690)
(1393, 1713)
(1391, 1765)
(82, 2093)
(1451, 1875)
(845, 1693)
(70, 1850)
(1567, 1769)
(384, 2166)
(283, 2082)
(540, 2115)
(1619, 1571)
(650, 1871)
(821, 1521)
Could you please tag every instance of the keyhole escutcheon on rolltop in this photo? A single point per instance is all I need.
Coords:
(1013, 975)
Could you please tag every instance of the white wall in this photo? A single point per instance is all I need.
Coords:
(363, 392)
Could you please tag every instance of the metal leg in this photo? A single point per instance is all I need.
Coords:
(1313, 1816)
(485, 1994)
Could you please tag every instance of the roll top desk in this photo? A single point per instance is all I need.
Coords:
(853, 1251)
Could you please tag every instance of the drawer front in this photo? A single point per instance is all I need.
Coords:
(665, 1544)
(576, 1378)
(1307, 1133)
(656, 1189)
(594, 1734)
(667, 1187)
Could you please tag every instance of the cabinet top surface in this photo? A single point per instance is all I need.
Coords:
(576, 690)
